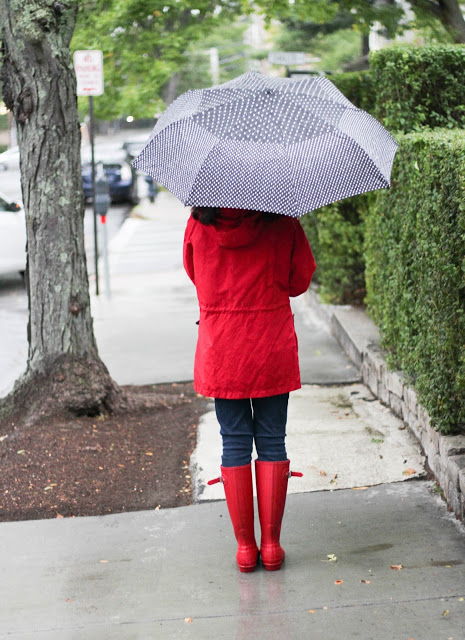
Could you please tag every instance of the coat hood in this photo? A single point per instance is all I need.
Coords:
(237, 228)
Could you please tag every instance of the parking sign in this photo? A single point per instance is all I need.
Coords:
(88, 66)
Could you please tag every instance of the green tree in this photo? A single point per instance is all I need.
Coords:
(64, 371)
(143, 44)
(389, 13)
(233, 57)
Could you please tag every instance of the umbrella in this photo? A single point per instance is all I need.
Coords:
(287, 145)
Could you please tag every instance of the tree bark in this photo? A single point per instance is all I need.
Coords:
(448, 12)
(64, 371)
(452, 18)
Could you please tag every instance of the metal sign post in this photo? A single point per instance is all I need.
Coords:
(88, 66)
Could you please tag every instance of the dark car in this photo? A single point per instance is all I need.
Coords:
(122, 179)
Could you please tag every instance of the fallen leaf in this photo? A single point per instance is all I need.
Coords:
(148, 453)
(338, 582)
(366, 581)
(322, 472)
(103, 561)
(331, 557)
(188, 620)
(445, 612)
(460, 599)
(20, 451)
(359, 488)
(397, 566)
(408, 472)
(59, 516)
(311, 611)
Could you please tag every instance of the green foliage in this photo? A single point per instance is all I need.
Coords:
(3, 147)
(232, 52)
(143, 44)
(420, 86)
(415, 270)
(365, 12)
(336, 235)
(358, 87)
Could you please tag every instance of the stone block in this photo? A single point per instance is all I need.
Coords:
(451, 445)
(396, 405)
(452, 495)
(462, 481)
(462, 507)
(431, 441)
(374, 355)
(434, 463)
(435, 438)
(455, 464)
(395, 382)
(372, 379)
(411, 399)
(383, 392)
(413, 422)
(423, 417)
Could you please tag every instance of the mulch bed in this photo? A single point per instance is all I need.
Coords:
(106, 464)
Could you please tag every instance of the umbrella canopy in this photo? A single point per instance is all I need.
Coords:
(287, 145)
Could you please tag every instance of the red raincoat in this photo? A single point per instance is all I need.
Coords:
(245, 267)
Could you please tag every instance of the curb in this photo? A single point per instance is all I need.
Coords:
(359, 337)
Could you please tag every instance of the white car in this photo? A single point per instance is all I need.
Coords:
(12, 237)
(9, 159)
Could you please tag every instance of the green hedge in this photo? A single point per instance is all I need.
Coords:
(358, 87)
(415, 270)
(419, 86)
(336, 234)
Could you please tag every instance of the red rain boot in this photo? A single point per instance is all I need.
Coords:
(272, 478)
(237, 482)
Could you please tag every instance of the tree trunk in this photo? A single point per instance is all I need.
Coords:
(64, 371)
(448, 12)
(452, 18)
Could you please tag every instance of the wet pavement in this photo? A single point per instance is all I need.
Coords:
(399, 569)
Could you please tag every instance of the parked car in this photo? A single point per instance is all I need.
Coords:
(9, 159)
(121, 176)
(12, 237)
(133, 148)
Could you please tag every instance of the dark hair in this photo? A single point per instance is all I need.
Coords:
(205, 215)
(208, 215)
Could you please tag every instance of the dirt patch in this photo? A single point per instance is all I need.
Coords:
(105, 464)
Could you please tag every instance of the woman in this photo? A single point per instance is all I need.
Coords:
(245, 265)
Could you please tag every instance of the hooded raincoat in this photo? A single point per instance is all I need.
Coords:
(245, 266)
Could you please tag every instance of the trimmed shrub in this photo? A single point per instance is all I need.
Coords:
(415, 270)
(419, 86)
(336, 233)
(358, 87)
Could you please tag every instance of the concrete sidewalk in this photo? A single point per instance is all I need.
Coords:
(171, 573)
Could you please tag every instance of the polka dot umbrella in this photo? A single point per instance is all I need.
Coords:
(287, 145)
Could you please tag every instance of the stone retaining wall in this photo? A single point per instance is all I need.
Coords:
(445, 454)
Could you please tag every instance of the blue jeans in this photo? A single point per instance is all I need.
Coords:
(243, 421)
